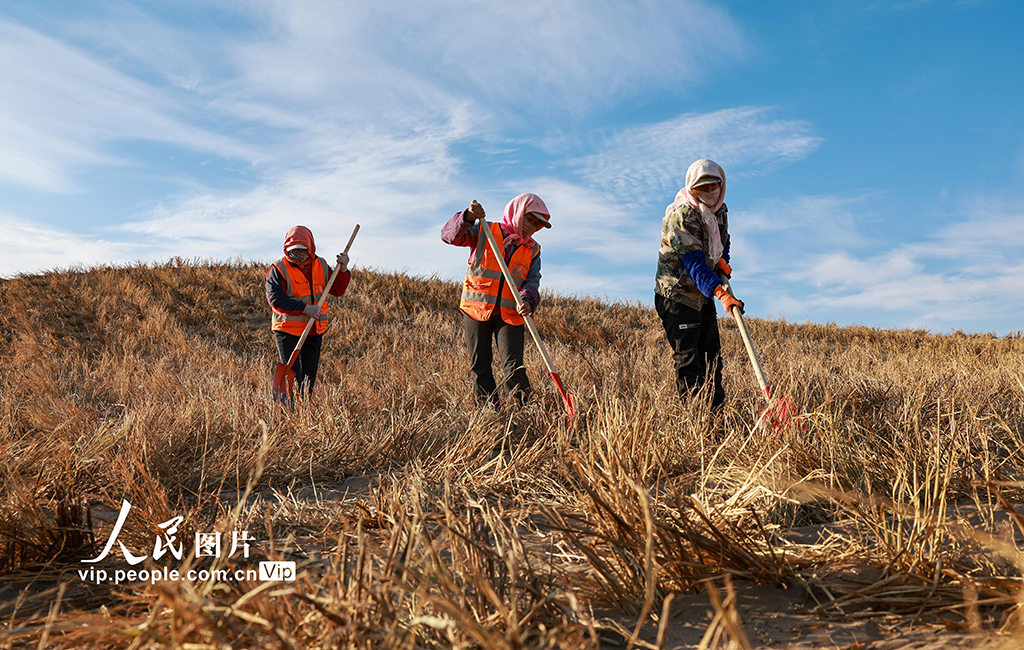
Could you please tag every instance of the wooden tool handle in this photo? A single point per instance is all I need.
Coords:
(320, 303)
(351, 239)
(745, 335)
(486, 229)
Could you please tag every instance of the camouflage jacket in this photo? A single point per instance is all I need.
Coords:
(682, 232)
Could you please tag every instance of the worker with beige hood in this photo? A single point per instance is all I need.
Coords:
(694, 251)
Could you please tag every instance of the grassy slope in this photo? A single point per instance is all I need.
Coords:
(151, 384)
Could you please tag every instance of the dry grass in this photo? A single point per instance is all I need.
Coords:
(481, 528)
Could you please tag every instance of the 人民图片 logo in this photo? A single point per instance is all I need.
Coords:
(207, 544)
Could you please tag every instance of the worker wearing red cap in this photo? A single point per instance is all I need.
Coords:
(293, 287)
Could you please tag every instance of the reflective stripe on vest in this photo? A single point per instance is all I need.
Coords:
(483, 277)
(296, 286)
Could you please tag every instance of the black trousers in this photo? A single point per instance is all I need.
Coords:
(306, 365)
(696, 346)
(510, 340)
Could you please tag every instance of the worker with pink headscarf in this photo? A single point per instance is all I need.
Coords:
(488, 306)
(692, 260)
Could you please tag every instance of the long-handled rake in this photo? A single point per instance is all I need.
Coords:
(568, 401)
(284, 376)
(780, 412)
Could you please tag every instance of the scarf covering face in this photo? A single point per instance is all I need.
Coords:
(300, 235)
(515, 213)
(698, 170)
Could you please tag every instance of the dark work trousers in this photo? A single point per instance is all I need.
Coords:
(510, 340)
(696, 346)
(306, 365)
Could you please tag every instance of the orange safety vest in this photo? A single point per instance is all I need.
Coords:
(480, 289)
(296, 285)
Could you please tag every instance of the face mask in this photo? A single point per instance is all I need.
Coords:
(707, 198)
(298, 255)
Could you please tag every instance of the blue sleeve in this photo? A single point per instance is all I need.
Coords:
(702, 275)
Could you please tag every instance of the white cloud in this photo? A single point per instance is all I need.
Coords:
(794, 228)
(124, 36)
(401, 204)
(532, 57)
(588, 223)
(30, 248)
(393, 185)
(966, 273)
(894, 289)
(989, 235)
(573, 52)
(351, 109)
(61, 108)
(650, 160)
(608, 282)
(427, 77)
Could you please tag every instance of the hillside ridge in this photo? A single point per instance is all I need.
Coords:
(225, 302)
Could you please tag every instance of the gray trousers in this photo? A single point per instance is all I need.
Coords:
(510, 340)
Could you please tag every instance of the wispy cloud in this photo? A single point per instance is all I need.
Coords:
(903, 292)
(588, 223)
(961, 275)
(394, 185)
(596, 245)
(793, 228)
(531, 57)
(153, 50)
(652, 160)
(544, 57)
(348, 125)
(61, 109)
(416, 191)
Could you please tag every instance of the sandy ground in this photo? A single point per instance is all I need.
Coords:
(778, 618)
(771, 617)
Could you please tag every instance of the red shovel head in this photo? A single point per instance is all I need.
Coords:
(567, 399)
(284, 383)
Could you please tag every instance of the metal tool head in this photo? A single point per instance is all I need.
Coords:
(568, 401)
(780, 415)
(284, 383)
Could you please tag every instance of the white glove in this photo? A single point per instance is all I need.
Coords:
(342, 261)
(313, 311)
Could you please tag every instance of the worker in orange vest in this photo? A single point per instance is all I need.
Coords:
(488, 306)
(294, 286)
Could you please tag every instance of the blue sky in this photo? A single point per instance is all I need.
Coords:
(874, 150)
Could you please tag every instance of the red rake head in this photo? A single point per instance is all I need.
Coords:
(780, 414)
(568, 401)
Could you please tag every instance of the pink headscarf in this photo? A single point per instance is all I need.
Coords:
(514, 214)
(698, 170)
